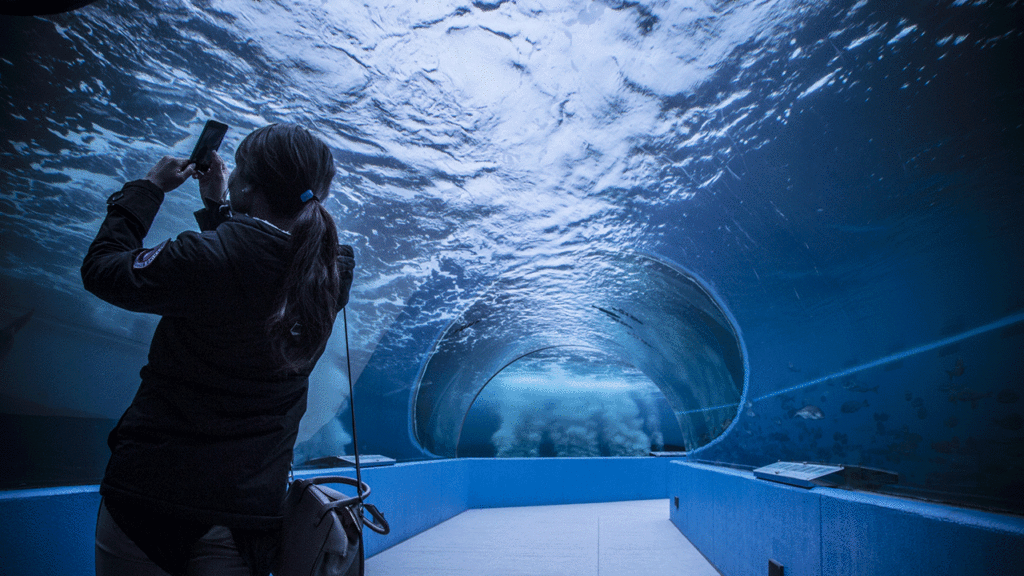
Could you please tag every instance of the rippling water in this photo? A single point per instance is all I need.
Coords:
(497, 139)
(491, 137)
(842, 176)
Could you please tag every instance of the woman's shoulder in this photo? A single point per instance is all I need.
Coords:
(248, 225)
(234, 240)
(243, 233)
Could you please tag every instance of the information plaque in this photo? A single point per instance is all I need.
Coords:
(368, 460)
(796, 473)
(365, 461)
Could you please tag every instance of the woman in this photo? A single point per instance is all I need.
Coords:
(200, 459)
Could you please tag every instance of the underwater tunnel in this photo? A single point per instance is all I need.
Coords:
(735, 232)
(639, 311)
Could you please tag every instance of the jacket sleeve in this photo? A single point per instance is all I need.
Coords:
(346, 267)
(176, 277)
(211, 215)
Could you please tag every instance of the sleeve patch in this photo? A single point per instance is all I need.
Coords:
(146, 257)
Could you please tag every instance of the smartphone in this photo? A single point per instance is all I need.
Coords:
(209, 141)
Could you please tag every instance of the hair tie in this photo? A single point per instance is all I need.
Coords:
(307, 196)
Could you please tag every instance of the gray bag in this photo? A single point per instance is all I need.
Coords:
(322, 533)
(323, 528)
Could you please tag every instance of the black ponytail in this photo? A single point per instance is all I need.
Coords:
(282, 162)
(303, 319)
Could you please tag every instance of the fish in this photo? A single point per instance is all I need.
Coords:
(1008, 396)
(612, 315)
(968, 395)
(854, 386)
(947, 447)
(1010, 422)
(7, 333)
(793, 368)
(852, 406)
(958, 369)
(464, 326)
(810, 412)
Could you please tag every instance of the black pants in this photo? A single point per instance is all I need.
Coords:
(116, 554)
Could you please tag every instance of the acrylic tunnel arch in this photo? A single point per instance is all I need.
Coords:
(630, 306)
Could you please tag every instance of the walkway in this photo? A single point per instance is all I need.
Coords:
(605, 539)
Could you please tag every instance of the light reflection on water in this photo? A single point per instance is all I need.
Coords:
(482, 137)
(497, 141)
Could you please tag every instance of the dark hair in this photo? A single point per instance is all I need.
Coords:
(280, 162)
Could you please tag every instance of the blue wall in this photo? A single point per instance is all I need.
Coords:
(50, 531)
(501, 482)
(415, 496)
(735, 520)
(739, 523)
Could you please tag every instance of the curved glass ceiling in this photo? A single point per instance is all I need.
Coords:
(627, 305)
(518, 176)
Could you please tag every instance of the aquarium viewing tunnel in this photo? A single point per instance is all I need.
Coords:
(725, 232)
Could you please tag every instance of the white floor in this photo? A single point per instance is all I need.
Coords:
(606, 539)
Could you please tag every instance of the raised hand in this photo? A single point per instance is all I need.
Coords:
(213, 182)
(170, 172)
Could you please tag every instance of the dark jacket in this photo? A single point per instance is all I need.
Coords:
(208, 437)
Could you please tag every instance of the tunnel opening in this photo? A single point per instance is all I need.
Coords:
(626, 313)
(568, 401)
